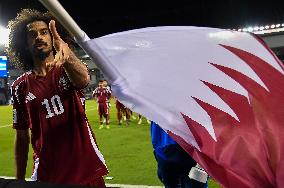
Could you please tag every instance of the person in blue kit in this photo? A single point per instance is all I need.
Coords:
(174, 164)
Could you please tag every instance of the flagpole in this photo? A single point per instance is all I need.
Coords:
(109, 71)
(65, 19)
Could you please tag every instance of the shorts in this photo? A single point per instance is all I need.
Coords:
(103, 109)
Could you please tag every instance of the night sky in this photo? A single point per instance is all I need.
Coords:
(102, 17)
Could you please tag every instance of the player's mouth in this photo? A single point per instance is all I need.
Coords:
(40, 45)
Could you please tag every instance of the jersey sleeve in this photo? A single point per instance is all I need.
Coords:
(21, 118)
(108, 93)
(95, 93)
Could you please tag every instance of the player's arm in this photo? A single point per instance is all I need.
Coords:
(95, 98)
(95, 94)
(76, 71)
(108, 93)
(22, 141)
(21, 125)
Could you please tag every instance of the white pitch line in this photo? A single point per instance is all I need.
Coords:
(107, 184)
(5, 126)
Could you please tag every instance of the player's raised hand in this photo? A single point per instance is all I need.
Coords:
(62, 50)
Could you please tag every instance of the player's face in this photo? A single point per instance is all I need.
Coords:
(104, 83)
(39, 39)
(101, 84)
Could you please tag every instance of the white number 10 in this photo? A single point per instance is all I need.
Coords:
(56, 104)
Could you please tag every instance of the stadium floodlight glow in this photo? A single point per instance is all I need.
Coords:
(222, 35)
(256, 28)
(245, 29)
(269, 31)
(272, 26)
(277, 25)
(282, 25)
(239, 29)
(250, 29)
(4, 35)
(266, 27)
(261, 28)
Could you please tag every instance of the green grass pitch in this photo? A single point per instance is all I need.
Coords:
(127, 150)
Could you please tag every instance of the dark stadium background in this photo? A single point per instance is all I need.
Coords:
(100, 17)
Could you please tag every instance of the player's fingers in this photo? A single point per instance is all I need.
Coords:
(53, 30)
(58, 58)
(47, 65)
(58, 64)
(65, 52)
(50, 64)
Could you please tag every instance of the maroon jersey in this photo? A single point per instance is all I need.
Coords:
(102, 94)
(64, 145)
(119, 105)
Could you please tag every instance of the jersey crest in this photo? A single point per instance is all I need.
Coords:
(64, 83)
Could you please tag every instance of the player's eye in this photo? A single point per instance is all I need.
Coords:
(32, 34)
(44, 32)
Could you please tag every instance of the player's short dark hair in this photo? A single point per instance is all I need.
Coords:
(17, 47)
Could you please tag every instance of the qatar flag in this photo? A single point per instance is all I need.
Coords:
(218, 93)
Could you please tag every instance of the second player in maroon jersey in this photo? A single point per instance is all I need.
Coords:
(102, 95)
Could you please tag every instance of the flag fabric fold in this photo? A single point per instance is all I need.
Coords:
(218, 93)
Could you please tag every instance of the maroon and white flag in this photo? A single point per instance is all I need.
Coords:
(218, 93)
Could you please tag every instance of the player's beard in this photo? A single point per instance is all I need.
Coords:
(43, 53)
